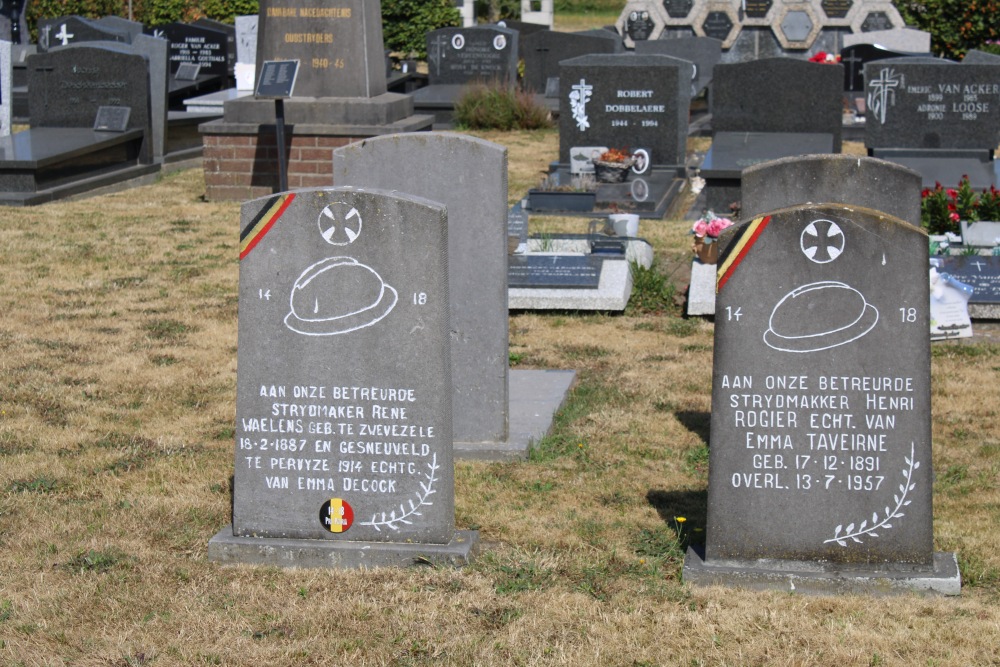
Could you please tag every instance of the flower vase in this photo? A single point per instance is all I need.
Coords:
(706, 249)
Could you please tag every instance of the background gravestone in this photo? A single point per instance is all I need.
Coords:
(343, 413)
(459, 56)
(246, 52)
(854, 57)
(831, 179)
(633, 101)
(544, 50)
(13, 11)
(56, 32)
(704, 52)
(198, 45)
(6, 94)
(469, 176)
(820, 472)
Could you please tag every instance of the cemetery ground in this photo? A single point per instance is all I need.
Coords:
(117, 405)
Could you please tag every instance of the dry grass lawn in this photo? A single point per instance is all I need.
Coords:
(117, 394)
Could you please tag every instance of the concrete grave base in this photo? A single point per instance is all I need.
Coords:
(816, 578)
(535, 395)
(228, 549)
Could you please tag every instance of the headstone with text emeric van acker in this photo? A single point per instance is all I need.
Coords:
(765, 110)
(820, 468)
(939, 118)
(343, 452)
(470, 179)
(461, 57)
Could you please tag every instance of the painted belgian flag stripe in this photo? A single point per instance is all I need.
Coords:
(262, 223)
(739, 249)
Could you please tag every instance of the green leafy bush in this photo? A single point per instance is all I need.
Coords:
(955, 25)
(147, 12)
(581, 6)
(405, 23)
(496, 107)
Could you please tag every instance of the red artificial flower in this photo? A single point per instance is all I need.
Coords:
(954, 217)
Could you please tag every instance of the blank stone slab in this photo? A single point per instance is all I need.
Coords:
(468, 176)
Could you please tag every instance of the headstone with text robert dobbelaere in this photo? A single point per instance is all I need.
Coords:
(820, 456)
(343, 414)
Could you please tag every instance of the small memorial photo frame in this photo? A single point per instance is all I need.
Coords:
(112, 119)
(187, 72)
(277, 79)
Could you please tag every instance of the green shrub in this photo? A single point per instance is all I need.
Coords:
(582, 6)
(148, 12)
(496, 10)
(496, 107)
(955, 25)
(405, 23)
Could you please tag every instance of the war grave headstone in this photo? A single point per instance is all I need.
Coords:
(470, 178)
(5, 88)
(941, 119)
(821, 411)
(13, 11)
(460, 57)
(340, 97)
(814, 179)
(343, 452)
(982, 273)
(61, 154)
(624, 101)
(765, 110)
(64, 30)
(703, 52)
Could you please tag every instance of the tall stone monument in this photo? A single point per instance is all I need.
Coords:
(339, 97)
(820, 473)
(344, 403)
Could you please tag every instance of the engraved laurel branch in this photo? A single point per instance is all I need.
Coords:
(864, 529)
(426, 491)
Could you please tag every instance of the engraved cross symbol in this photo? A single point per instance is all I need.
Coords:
(64, 36)
(978, 264)
(822, 241)
(852, 69)
(882, 92)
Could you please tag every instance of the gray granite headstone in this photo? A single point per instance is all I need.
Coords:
(778, 95)
(831, 179)
(154, 50)
(339, 46)
(932, 104)
(468, 176)
(119, 24)
(458, 56)
(544, 50)
(6, 94)
(67, 86)
(65, 30)
(626, 101)
(977, 57)
(820, 471)
(704, 52)
(343, 416)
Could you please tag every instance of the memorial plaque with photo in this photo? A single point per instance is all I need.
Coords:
(465, 55)
(921, 103)
(639, 102)
(343, 414)
(821, 438)
(340, 46)
(554, 271)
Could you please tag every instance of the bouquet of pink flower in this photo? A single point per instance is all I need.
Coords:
(710, 225)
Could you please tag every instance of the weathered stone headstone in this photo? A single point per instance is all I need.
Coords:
(343, 418)
(704, 52)
(820, 476)
(468, 176)
(831, 179)
(633, 101)
(544, 50)
(56, 32)
(458, 56)
(941, 119)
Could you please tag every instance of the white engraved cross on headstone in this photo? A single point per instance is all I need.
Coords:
(64, 36)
